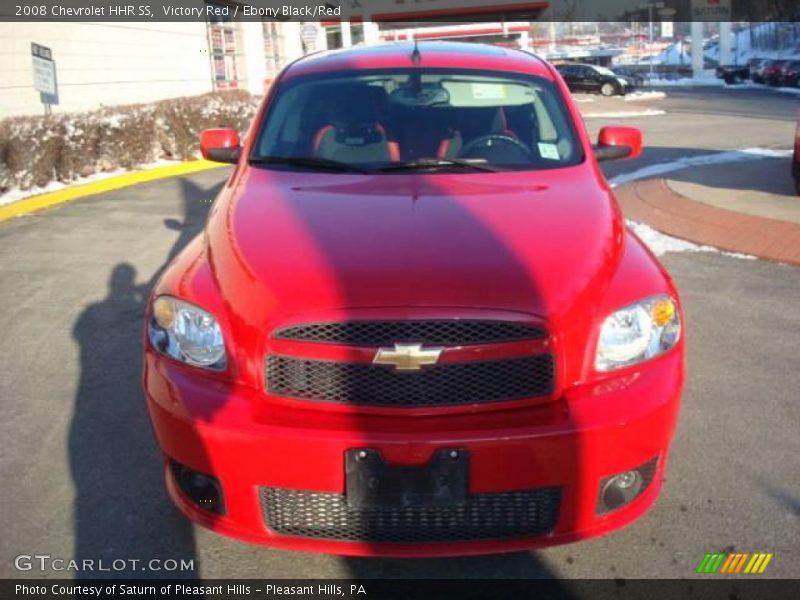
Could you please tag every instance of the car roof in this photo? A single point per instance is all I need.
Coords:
(433, 54)
(578, 64)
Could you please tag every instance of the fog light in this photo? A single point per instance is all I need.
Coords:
(626, 480)
(202, 490)
(618, 490)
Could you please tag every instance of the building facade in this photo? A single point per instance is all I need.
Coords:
(107, 64)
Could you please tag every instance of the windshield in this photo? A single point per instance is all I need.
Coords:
(402, 120)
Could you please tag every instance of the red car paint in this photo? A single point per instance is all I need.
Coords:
(285, 247)
(796, 156)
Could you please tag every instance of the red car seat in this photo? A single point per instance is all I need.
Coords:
(355, 133)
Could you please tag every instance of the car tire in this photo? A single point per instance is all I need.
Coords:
(607, 89)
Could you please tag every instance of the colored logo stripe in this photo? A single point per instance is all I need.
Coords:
(711, 563)
(758, 563)
(734, 562)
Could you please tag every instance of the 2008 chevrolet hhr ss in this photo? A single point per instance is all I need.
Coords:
(415, 323)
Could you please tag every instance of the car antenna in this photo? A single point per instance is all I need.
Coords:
(416, 57)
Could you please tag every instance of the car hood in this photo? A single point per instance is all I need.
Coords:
(286, 243)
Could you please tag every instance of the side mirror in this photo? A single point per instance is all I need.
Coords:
(618, 142)
(220, 145)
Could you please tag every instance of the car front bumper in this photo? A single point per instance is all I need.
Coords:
(251, 445)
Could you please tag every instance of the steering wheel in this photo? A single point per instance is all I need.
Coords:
(490, 139)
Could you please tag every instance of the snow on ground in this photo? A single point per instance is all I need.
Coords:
(742, 50)
(650, 112)
(673, 55)
(661, 243)
(749, 85)
(16, 194)
(746, 85)
(581, 99)
(707, 78)
(637, 96)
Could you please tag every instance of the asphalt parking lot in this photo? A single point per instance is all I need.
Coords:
(83, 476)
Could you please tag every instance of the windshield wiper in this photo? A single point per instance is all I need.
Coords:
(436, 163)
(321, 164)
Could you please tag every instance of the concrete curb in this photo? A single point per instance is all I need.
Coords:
(653, 202)
(48, 200)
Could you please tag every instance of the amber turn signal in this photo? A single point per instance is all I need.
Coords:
(662, 312)
(164, 312)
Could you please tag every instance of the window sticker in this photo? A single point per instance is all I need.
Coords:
(488, 91)
(549, 151)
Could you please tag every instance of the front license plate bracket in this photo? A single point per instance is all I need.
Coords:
(372, 483)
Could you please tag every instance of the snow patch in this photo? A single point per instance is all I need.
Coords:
(637, 96)
(17, 194)
(749, 85)
(660, 243)
(703, 80)
(742, 50)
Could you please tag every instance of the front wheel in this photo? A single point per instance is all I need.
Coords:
(607, 89)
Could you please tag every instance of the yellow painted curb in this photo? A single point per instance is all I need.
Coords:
(36, 203)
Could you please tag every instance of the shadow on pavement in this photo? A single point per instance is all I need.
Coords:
(751, 172)
(121, 509)
(763, 175)
(517, 565)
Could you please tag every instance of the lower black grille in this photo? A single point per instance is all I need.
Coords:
(437, 385)
(482, 517)
(442, 332)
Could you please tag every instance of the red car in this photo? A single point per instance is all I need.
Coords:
(415, 323)
(773, 72)
(796, 156)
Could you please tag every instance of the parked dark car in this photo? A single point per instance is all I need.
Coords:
(790, 77)
(591, 78)
(773, 72)
(733, 73)
(627, 73)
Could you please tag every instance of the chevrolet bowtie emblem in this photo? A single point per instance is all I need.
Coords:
(407, 357)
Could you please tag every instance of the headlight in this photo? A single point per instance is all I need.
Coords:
(623, 81)
(638, 332)
(187, 333)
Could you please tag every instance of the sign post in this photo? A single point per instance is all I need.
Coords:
(44, 75)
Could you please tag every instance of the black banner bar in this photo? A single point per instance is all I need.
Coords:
(400, 10)
(709, 588)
